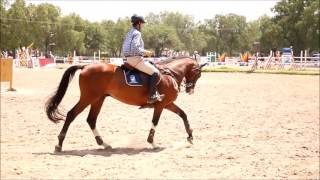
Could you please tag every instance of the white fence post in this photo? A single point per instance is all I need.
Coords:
(94, 56)
(301, 55)
(305, 57)
(74, 57)
(99, 56)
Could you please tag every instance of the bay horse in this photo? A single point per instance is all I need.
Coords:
(98, 81)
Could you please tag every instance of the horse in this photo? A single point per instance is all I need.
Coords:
(98, 81)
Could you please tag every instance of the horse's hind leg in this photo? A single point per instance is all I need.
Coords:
(71, 115)
(174, 108)
(92, 119)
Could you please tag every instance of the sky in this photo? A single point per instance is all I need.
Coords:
(98, 10)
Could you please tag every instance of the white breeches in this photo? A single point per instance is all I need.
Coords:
(142, 65)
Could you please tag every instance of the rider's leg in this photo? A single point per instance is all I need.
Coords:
(144, 66)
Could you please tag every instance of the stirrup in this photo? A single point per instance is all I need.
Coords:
(155, 98)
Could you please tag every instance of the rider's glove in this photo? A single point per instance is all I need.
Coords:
(147, 53)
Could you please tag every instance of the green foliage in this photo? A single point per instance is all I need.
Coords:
(271, 34)
(14, 33)
(115, 34)
(93, 37)
(158, 37)
(296, 23)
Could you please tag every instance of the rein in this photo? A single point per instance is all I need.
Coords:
(168, 71)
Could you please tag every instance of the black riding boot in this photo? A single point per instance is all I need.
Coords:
(153, 94)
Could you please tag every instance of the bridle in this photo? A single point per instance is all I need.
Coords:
(192, 84)
(170, 72)
(189, 84)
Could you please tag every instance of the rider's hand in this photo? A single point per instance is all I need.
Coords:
(148, 53)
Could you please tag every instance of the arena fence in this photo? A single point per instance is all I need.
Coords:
(212, 59)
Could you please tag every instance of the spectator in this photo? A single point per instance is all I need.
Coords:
(196, 56)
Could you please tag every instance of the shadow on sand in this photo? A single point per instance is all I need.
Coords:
(104, 152)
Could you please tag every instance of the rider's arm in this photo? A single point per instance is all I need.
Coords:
(136, 45)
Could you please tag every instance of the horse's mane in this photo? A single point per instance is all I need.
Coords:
(169, 60)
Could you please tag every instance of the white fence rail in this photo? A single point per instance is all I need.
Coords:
(265, 62)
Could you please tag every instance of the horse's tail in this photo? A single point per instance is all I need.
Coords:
(53, 102)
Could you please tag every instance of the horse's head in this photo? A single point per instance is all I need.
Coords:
(184, 68)
(192, 76)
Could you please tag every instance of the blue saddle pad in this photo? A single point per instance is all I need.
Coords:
(132, 77)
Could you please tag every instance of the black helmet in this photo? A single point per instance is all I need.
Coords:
(135, 19)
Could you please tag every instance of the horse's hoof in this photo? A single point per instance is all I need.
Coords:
(154, 146)
(57, 149)
(151, 135)
(107, 147)
(190, 140)
(150, 140)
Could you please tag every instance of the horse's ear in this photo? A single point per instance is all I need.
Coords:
(202, 65)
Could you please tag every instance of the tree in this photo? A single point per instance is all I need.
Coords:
(299, 20)
(44, 18)
(296, 23)
(70, 35)
(158, 37)
(153, 19)
(271, 34)
(309, 25)
(210, 33)
(15, 29)
(198, 42)
(93, 37)
(230, 29)
(4, 30)
(115, 35)
(183, 25)
(251, 34)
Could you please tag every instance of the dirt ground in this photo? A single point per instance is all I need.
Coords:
(247, 126)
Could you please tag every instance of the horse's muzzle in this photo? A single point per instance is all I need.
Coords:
(191, 91)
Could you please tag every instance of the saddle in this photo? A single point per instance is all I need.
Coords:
(134, 77)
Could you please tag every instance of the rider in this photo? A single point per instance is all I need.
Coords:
(133, 50)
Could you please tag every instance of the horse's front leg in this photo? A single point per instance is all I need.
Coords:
(155, 119)
(174, 108)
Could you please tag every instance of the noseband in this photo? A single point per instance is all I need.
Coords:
(189, 84)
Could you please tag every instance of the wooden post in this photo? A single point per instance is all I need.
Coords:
(6, 71)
